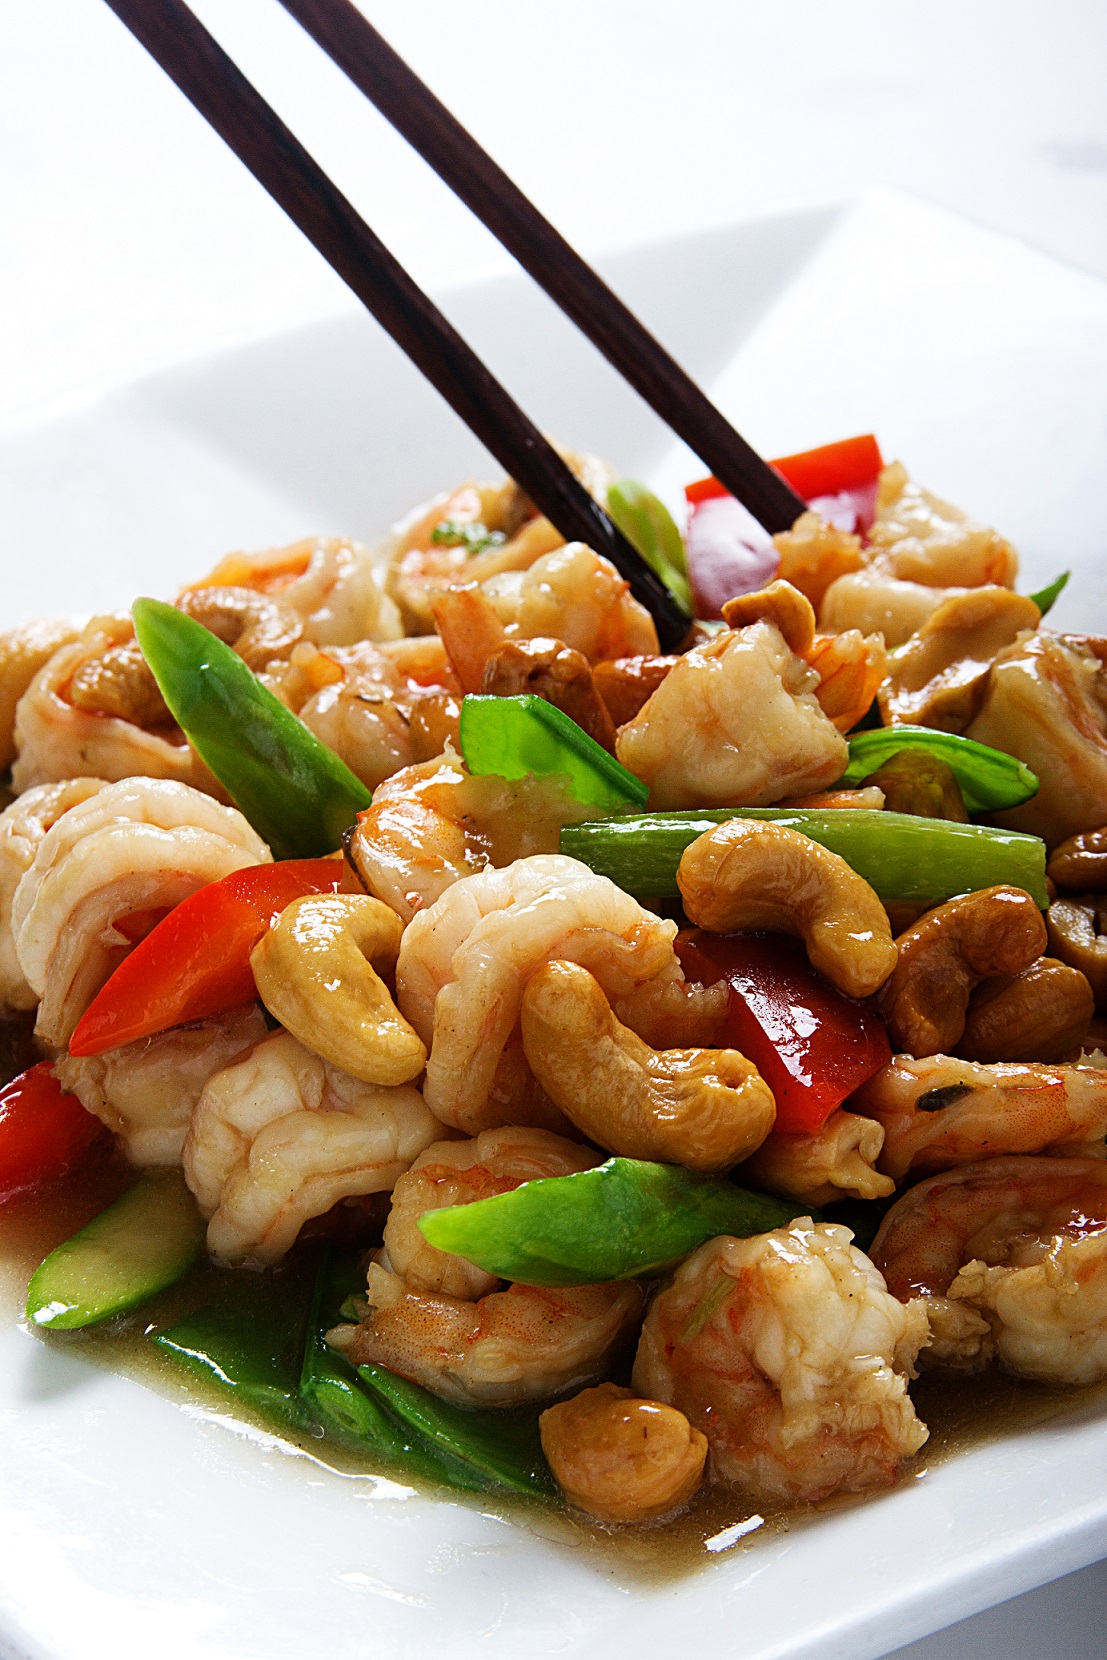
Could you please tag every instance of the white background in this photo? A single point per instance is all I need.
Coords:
(131, 240)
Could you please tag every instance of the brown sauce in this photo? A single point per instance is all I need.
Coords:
(961, 1413)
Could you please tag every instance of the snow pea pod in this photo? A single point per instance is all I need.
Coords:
(922, 861)
(298, 795)
(624, 1218)
(515, 736)
(989, 779)
(1046, 598)
(645, 521)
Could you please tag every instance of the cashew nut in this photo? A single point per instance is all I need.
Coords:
(702, 1108)
(915, 782)
(261, 629)
(627, 683)
(937, 678)
(314, 972)
(946, 954)
(620, 1458)
(1080, 864)
(836, 1162)
(1040, 1015)
(1078, 935)
(556, 672)
(748, 875)
(778, 603)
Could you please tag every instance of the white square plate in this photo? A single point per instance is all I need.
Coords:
(129, 1526)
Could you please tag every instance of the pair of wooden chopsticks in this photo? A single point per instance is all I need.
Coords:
(222, 94)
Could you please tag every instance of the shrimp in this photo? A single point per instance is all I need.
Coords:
(1011, 1257)
(938, 677)
(917, 537)
(137, 844)
(464, 963)
(787, 1351)
(457, 1173)
(1046, 702)
(735, 723)
(22, 828)
(940, 1112)
(874, 602)
(434, 823)
(145, 1092)
(327, 580)
(90, 711)
(850, 667)
(578, 597)
(23, 651)
(280, 1136)
(358, 714)
(813, 554)
(525, 1344)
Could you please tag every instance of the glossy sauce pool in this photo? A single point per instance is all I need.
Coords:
(959, 1413)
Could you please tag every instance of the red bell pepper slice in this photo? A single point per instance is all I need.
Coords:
(196, 961)
(729, 553)
(43, 1131)
(812, 1045)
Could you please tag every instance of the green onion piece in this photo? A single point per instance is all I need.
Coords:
(921, 861)
(515, 736)
(295, 791)
(248, 1341)
(1046, 597)
(989, 780)
(648, 525)
(624, 1218)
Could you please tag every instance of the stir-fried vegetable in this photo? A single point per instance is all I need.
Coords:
(623, 1218)
(646, 522)
(143, 1242)
(514, 736)
(295, 791)
(812, 1045)
(989, 780)
(43, 1130)
(848, 464)
(1046, 598)
(196, 962)
(920, 861)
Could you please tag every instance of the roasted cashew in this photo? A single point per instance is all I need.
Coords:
(553, 670)
(946, 954)
(914, 782)
(1077, 928)
(937, 677)
(1080, 864)
(314, 972)
(747, 875)
(119, 682)
(621, 1458)
(1040, 1015)
(628, 683)
(836, 1162)
(260, 628)
(778, 603)
(702, 1108)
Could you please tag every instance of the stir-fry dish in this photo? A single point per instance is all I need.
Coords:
(629, 1070)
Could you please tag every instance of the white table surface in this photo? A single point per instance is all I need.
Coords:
(131, 239)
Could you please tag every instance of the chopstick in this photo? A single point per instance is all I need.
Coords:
(194, 60)
(429, 127)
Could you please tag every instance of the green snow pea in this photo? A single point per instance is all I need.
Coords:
(988, 779)
(295, 791)
(922, 861)
(621, 1219)
(515, 736)
(1046, 598)
(648, 525)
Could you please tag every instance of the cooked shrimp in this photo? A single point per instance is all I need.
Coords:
(850, 667)
(104, 735)
(1011, 1256)
(790, 1355)
(813, 554)
(135, 845)
(941, 1112)
(875, 602)
(22, 828)
(465, 961)
(939, 676)
(361, 717)
(146, 1091)
(735, 723)
(328, 580)
(1046, 702)
(578, 597)
(23, 651)
(508, 1348)
(280, 1136)
(920, 538)
(431, 824)
(457, 1173)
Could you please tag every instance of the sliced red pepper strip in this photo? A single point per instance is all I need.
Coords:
(43, 1130)
(812, 1045)
(196, 962)
(848, 464)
